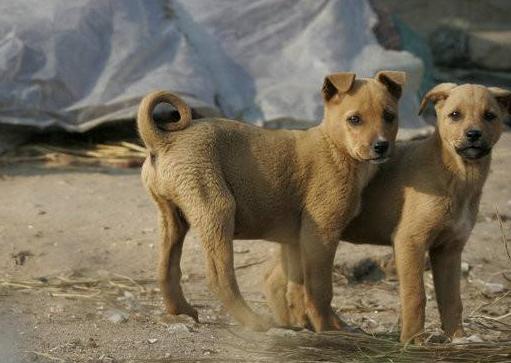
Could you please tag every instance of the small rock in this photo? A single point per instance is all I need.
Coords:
(129, 301)
(474, 338)
(449, 46)
(116, 316)
(465, 268)
(490, 49)
(491, 288)
(92, 343)
(437, 336)
(366, 270)
(369, 324)
(56, 309)
(279, 332)
(106, 359)
(21, 257)
(178, 328)
(152, 341)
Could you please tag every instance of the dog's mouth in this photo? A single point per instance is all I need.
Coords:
(473, 151)
(379, 160)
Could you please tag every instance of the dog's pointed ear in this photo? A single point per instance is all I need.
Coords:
(337, 83)
(503, 97)
(438, 93)
(393, 81)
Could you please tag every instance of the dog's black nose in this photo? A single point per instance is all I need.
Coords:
(473, 135)
(381, 147)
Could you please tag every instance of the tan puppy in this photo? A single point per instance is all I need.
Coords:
(229, 180)
(425, 199)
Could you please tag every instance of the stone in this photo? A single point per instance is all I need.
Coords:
(449, 46)
(116, 316)
(178, 328)
(279, 332)
(474, 338)
(491, 288)
(491, 49)
(129, 300)
(465, 268)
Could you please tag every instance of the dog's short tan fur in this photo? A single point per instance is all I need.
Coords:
(231, 180)
(426, 199)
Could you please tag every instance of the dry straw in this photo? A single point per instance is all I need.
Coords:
(119, 154)
(299, 347)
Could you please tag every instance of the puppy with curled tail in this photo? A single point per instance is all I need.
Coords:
(230, 180)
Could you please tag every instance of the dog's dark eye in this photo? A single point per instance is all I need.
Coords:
(489, 116)
(354, 120)
(455, 115)
(389, 116)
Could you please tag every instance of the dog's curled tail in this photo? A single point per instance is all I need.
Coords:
(153, 134)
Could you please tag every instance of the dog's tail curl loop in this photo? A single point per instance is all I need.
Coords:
(153, 134)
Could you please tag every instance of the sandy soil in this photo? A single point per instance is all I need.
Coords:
(93, 232)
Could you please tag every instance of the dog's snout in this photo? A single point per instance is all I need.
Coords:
(381, 147)
(473, 134)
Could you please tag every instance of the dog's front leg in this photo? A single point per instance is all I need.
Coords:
(446, 265)
(275, 289)
(409, 253)
(317, 260)
(295, 294)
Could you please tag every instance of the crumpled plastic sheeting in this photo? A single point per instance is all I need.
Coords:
(77, 64)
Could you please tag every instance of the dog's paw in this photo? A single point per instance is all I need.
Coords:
(184, 309)
(325, 321)
(417, 339)
(194, 314)
(260, 323)
(336, 323)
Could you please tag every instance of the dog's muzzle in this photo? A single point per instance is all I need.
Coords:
(473, 150)
(379, 160)
(381, 150)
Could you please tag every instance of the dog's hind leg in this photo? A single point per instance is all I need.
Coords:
(173, 231)
(216, 229)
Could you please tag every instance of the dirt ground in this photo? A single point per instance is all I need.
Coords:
(78, 250)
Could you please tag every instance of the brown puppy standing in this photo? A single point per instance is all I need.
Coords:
(231, 180)
(426, 199)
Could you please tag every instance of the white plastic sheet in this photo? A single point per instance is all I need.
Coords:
(76, 64)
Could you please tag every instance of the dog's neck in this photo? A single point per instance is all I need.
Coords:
(363, 170)
(337, 153)
(472, 173)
